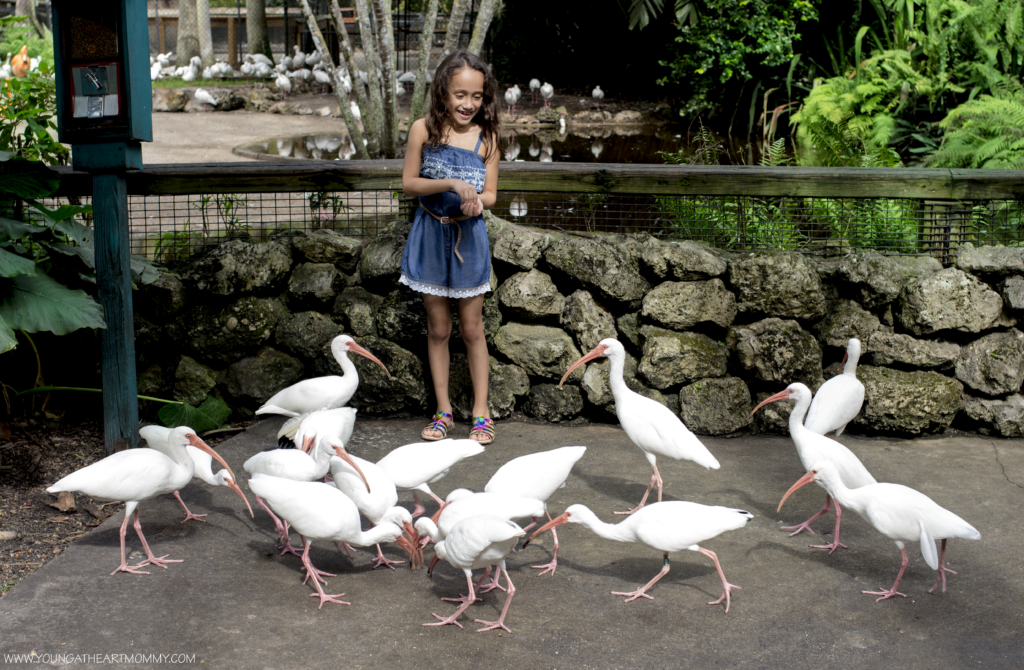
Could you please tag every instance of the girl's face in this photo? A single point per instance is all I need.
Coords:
(465, 97)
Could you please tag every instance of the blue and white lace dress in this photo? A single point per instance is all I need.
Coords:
(429, 262)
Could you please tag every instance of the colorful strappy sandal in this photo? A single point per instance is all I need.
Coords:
(484, 427)
(442, 423)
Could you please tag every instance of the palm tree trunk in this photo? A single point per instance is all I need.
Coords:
(386, 47)
(373, 118)
(451, 39)
(256, 32)
(354, 131)
(485, 14)
(349, 63)
(205, 32)
(419, 90)
(188, 31)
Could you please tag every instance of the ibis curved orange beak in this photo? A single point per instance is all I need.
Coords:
(202, 446)
(352, 346)
(557, 521)
(234, 487)
(343, 455)
(596, 352)
(307, 443)
(803, 481)
(781, 395)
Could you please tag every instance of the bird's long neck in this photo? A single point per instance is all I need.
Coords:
(855, 499)
(616, 376)
(427, 525)
(796, 417)
(609, 531)
(382, 533)
(851, 364)
(323, 457)
(347, 366)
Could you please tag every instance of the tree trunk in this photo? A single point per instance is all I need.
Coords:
(373, 118)
(354, 131)
(256, 28)
(349, 63)
(27, 8)
(419, 90)
(488, 9)
(205, 32)
(188, 32)
(451, 39)
(386, 47)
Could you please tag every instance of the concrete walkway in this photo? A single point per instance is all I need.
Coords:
(234, 604)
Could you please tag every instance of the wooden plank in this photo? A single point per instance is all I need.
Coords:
(298, 176)
(233, 43)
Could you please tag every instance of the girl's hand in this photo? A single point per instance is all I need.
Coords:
(472, 208)
(465, 192)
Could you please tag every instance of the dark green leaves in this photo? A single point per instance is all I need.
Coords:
(211, 414)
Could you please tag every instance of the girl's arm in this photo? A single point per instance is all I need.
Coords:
(490, 193)
(414, 185)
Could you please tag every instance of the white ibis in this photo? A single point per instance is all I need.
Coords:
(839, 399)
(379, 503)
(299, 59)
(319, 511)
(898, 512)
(204, 96)
(329, 392)
(665, 526)
(313, 58)
(510, 99)
(518, 207)
(547, 91)
(598, 95)
(537, 476)
(339, 422)
(355, 113)
(476, 542)
(812, 448)
(260, 58)
(534, 88)
(158, 437)
(414, 467)
(322, 78)
(649, 424)
(283, 83)
(134, 475)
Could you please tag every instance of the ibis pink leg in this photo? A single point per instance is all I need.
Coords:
(642, 591)
(549, 567)
(189, 515)
(892, 592)
(494, 582)
(463, 599)
(835, 544)
(150, 558)
(380, 560)
(726, 586)
(310, 570)
(500, 623)
(124, 567)
(282, 531)
(655, 479)
(441, 621)
(806, 525)
(941, 577)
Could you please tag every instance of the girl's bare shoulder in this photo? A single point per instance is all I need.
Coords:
(419, 127)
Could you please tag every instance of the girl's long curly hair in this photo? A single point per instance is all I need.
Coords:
(487, 118)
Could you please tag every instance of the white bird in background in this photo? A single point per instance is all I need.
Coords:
(302, 74)
(839, 399)
(534, 148)
(285, 147)
(649, 424)
(407, 78)
(355, 110)
(283, 83)
(318, 511)
(547, 91)
(286, 63)
(323, 79)
(512, 150)
(5, 69)
(264, 71)
(164, 59)
(203, 96)
(247, 69)
(313, 59)
(537, 476)
(596, 148)
(260, 58)
(477, 542)
(134, 475)
(534, 88)
(154, 71)
(399, 89)
(207, 73)
(414, 467)
(510, 100)
(546, 153)
(518, 207)
(665, 526)
(299, 59)
(189, 74)
(898, 512)
(328, 392)
(158, 437)
(598, 95)
(813, 448)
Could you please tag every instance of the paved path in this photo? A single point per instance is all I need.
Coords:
(234, 604)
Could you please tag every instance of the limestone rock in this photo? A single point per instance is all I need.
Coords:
(519, 246)
(908, 403)
(628, 326)
(193, 381)
(995, 261)
(599, 392)
(240, 267)
(540, 350)
(547, 115)
(948, 300)
(304, 334)
(151, 381)
(356, 310)
(777, 350)
(671, 358)
(160, 300)
(874, 277)
(773, 417)
(377, 395)
(888, 348)
(253, 380)
(715, 406)
(993, 364)
(169, 100)
(260, 100)
(550, 403)
(682, 305)
(914, 267)
(685, 260)
(782, 284)
(587, 320)
(226, 335)
(1013, 293)
(381, 262)
(403, 319)
(531, 295)
(329, 246)
(507, 383)
(628, 116)
(599, 264)
(846, 319)
(313, 284)
(1000, 417)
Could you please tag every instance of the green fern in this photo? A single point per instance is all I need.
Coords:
(987, 132)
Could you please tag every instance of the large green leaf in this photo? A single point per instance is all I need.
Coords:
(27, 179)
(39, 303)
(144, 271)
(15, 230)
(211, 414)
(12, 265)
(7, 341)
(86, 253)
(63, 212)
(77, 232)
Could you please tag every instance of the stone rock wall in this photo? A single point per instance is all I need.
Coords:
(707, 333)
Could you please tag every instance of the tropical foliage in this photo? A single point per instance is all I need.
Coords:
(28, 118)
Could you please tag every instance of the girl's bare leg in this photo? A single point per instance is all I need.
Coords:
(439, 330)
(471, 327)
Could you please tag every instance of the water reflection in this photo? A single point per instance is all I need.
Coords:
(335, 147)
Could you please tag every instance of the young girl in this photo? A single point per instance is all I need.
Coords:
(452, 165)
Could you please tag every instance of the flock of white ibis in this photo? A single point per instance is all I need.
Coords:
(474, 530)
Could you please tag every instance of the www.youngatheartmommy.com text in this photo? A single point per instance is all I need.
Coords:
(62, 658)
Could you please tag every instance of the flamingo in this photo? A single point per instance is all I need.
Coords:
(479, 541)
(649, 424)
(665, 526)
(839, 399)
(537, 476)
(534, 88)
(158, 437)
(134, 475)
(898, 512)
(812, 448)
(328, 392)
(318, 511)
(414, 467)
(547, 91)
